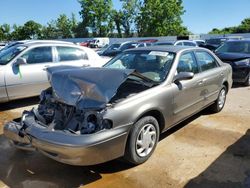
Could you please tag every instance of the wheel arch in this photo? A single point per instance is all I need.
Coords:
(157, 115)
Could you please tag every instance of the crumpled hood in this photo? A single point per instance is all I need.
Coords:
(232, 56)
(86, 88)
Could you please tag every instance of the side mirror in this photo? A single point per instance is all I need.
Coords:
(20, 61)
(183, 76)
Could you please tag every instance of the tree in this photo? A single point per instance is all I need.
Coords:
(50, 31)
(244, 27)
(31, 30)
(96, 15)
(64, 26)
(117, 16)
(161, 18)
(5, 32)
(130, 10)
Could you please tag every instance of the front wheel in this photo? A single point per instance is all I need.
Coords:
(220, 102)
(142, 140)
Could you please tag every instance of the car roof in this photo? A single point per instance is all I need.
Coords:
(33, 43)
(163, 48)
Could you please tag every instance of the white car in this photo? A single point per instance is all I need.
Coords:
(23, 66)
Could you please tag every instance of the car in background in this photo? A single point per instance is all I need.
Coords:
(237, 54)
(99, 42)
(2, 45)
(177, 43)
(117, 48)
(23, 66)
(148, 40)
(122, 110)
(213, 43)
(200, 43)
(85, 43)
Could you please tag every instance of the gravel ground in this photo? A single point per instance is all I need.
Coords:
(207, 150)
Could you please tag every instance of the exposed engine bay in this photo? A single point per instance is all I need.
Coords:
(56, 115)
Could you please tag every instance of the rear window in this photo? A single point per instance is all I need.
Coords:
(70, 54)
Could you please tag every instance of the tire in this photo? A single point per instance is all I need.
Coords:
(220, 101)
(138, 148)
(247, 82)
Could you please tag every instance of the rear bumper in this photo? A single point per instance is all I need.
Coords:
(69, 148)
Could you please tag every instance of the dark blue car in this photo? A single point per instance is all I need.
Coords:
(237, 54)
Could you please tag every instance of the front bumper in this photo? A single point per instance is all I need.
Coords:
(68, 148)
(240, 74)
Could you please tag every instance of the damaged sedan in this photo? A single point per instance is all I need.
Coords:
(93, 115)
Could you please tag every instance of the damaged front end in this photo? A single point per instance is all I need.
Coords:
(69, 124)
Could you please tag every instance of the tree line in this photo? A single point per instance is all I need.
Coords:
(100, 19)
(244, 27)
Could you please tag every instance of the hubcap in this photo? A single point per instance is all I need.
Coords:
(146, 140)
(222, 98)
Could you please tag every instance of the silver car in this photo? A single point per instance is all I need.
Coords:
(86, 120)
(23, 65)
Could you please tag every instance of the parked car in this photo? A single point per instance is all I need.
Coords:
(121, 111)
(22, 66)
(99, 42)
(117, 48)
(85, 43)
(200, 43)
(2, 45)
(213, 43)
(148, 40)
(177, 43)
(237, 54)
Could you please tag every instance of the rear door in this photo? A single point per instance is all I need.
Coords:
(29, 79)
(212, 75)
(71, 56)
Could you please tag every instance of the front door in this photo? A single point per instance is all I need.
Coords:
(31, 78)
(188, 96)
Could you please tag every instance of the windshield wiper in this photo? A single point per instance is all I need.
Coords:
(143, 79)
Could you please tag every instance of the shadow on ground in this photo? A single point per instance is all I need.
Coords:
(32, 169)
(19, 103)
(230, 170)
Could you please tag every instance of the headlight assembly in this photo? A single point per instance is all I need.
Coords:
(244, 62)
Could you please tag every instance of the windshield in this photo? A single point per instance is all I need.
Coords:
(7, 55)
(235, 47)
(154, 65)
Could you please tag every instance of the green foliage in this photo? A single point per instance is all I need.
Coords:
(129, 12)
(161, 18)
(96, 15)
(64, 26)
(99, 18)
(30, 30)
(244, 27)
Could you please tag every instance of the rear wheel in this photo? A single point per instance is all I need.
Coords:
(142, 140)
(220, 102)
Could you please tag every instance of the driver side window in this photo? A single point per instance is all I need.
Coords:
(187, 63)
(38, 55)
